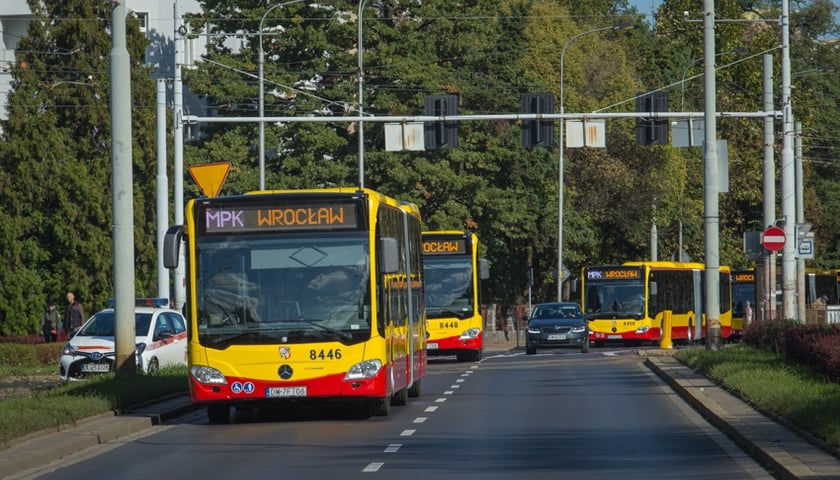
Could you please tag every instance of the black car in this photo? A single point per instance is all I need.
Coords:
(557, 324)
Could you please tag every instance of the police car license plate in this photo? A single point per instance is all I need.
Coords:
(96, 367)
(285, 392)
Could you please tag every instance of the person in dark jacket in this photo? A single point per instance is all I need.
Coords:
(74, 314)
(49, 323)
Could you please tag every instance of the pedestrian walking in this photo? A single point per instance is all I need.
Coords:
(74, 314)
(50, 321)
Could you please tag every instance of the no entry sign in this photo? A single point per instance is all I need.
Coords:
(773, 239)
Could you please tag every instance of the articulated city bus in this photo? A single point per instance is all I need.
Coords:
(625, 302)
(296, 296)
(453, 273)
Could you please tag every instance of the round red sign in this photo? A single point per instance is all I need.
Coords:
(773, 239)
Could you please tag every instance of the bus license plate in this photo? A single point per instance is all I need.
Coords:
(614, 337)
(96, 367)
(285, 392)
(557, 336)
(431, 346)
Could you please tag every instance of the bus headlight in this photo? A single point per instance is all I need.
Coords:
(470, 334)
(364, 370)
(207, 375)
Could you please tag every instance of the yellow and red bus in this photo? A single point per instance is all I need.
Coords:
(453, 272)
(624, 303)
(303, 295)
(743, 291)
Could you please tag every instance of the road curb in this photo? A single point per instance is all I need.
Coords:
(779, 462)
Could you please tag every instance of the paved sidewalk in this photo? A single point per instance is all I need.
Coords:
(776, 447)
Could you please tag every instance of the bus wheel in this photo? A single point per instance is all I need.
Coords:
(400, 398)
(380, 407)
(689, 338)
(218, 413)
(415, 389)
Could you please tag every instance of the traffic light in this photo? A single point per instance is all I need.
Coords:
(537, 133)
(650, 131)
(444, 134)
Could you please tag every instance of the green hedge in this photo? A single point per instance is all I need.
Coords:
(20, 355)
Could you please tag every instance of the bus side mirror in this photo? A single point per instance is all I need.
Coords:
(483, 269)
(172, 246)
(389, 260)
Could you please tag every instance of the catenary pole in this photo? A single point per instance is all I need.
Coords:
(768, 301)
(162, 195)
(178, 155)
(710, 185)
(788, 189)
(122, 195)
(800, 220)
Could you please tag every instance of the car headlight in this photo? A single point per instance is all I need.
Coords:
(140, 348)
(533, 330)
(470, 334)
(68, 350)
(206, 375)
(579, 329)
(364, 370)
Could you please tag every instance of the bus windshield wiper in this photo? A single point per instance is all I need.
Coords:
(228, 340)
(445, 311)
(317, 323)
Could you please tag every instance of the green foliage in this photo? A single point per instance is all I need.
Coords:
(55, 233)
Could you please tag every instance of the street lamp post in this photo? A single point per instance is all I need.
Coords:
(361, 93)
(619, 26)
(261, 62)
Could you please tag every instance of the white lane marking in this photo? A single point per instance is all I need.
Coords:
(372, 467)
(440, 400)
(455, 386)
(448, 392)
(393, 448)
(407, 433)
(420, 419)
(431, 409)
(460, 380)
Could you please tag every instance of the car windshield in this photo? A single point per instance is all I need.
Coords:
(102, 324)
(556, 311)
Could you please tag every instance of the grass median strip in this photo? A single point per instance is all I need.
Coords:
(68, 403)
(805, 399)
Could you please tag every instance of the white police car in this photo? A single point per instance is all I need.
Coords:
(161, 341)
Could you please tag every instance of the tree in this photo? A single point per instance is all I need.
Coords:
(55, 166)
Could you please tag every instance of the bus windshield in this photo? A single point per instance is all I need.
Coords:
(614, 298)
(297, 288)
(448, 286)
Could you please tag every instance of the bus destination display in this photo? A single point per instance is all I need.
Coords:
(241, 219)
(743, 277)
(451, 246)
(613, 273)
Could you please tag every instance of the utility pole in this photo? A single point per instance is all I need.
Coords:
(178, 154)
(788, 189)
(710, 184)
(122, 192)
(162, 191)
(768, 302)
(800, 220)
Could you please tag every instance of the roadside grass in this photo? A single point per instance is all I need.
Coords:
(72, 402)
(792, 392)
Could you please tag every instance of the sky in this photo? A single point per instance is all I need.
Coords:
(647, 7)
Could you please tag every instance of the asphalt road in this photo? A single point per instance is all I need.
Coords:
(553, 415)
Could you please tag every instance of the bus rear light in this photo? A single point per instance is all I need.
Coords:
(364, 370)
(207, 375)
